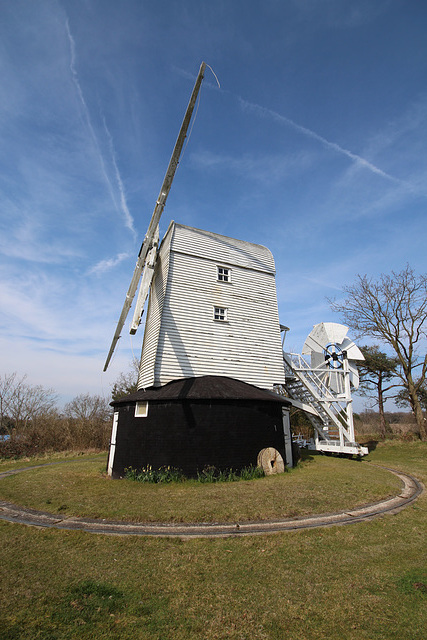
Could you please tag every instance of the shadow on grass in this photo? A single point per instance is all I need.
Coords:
(413, 582)
(92, 609)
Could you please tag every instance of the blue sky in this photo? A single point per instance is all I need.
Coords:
(314, 145)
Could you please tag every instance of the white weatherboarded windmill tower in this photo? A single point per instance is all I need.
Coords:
(212, 311)
(212, 356)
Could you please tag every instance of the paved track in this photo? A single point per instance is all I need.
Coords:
(411, 490)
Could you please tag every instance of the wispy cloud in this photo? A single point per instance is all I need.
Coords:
(55, 307)
(402, 142)
(339, 14)
(323, 283)
(106, 265)
(122, 206)
(26, 243)
(44, 331)
(265, 169)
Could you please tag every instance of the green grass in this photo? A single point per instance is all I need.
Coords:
(319, 484)
(9, 464)
(364, 581)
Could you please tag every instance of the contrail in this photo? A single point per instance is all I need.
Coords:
(123, 205)
(263, 111)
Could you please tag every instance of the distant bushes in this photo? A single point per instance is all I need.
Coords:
(56, 432)
(31, 424)
(400, 425)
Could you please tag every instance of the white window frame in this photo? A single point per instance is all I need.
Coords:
(141, 409)
(220, 314)
(223, 274)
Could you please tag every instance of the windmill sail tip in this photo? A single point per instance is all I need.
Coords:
(111, 351)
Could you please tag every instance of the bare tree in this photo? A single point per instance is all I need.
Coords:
(393, 310)
(88, 408)
(88, 420)
(21, 402)
(7, 386)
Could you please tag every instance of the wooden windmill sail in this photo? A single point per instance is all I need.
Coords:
(147, 253)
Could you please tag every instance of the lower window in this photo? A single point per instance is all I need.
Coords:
(220, 313)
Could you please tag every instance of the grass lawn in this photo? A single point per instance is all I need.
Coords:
(368, 580)
(81, 488)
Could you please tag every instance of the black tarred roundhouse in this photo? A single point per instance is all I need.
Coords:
(193, 423)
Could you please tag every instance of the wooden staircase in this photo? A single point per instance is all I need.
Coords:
(330, 413)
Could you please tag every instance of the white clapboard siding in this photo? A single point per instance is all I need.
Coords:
(206, 244)
(183, 340)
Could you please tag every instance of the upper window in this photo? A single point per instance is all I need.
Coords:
(220, 313)
(224, 274)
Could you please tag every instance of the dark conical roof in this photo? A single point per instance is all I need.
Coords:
(203, 388)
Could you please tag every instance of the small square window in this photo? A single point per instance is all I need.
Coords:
(224, 274)
(220, 313)
(141, 410)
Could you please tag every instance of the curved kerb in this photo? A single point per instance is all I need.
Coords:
(411, 490)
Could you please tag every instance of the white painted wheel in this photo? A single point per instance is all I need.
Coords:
(270, 461)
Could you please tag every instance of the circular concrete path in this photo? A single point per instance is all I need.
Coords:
(411, 490)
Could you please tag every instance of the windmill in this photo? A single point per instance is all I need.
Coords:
(212, 355)
(211, 351)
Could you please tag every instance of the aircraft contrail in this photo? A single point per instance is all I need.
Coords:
(122, 207)
(263, 111)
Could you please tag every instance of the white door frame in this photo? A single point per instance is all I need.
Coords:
(113, 444)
